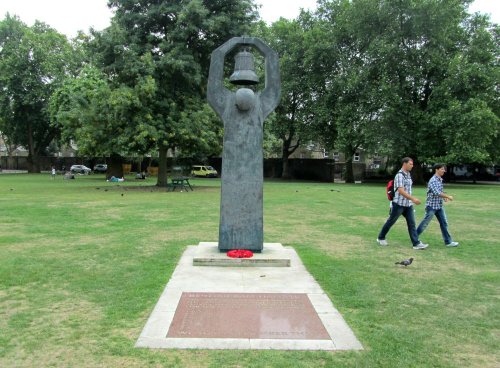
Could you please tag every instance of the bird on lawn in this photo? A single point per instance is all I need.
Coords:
(406, 262)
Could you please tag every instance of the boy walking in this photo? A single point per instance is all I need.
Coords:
(434, 205)
(402, 204)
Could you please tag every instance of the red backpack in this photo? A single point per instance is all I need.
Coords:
(390, 190)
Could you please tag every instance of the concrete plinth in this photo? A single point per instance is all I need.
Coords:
(208, 254)
(257, 307)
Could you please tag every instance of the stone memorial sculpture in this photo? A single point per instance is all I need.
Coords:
(243, 113)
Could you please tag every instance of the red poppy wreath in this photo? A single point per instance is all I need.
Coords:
(240, 253)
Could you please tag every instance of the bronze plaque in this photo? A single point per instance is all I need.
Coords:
(246, 315)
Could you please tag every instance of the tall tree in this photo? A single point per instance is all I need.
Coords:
(465, 107)
(351, 79)
(33, 63)
(293, 121)
(179, 36)
(395, 63)
(106, 118)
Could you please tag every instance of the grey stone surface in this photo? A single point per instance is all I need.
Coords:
(243, 113)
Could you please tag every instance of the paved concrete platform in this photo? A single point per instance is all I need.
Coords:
(189, 280)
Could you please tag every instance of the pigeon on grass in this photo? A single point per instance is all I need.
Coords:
(406, 262)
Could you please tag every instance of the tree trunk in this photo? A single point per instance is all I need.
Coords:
(162, 180)
(285, 174)
(417, 173)
(450, 173)
(475, 171)
(349, 172)
(287, 150)
(32, 159)
(33, 163)
(115, 166)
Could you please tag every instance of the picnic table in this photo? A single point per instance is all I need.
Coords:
(181, 182)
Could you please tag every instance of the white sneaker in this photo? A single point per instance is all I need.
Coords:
(452, 244)
(382, 242)
(420, 246)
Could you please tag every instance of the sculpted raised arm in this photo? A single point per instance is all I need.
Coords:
(270, 96)
(216, 92)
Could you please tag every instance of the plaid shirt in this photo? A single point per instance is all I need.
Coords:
(402, 179)
(434, 189)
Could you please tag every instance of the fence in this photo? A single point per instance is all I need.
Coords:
(301, 169)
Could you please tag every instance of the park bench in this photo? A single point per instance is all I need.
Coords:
(181, 182)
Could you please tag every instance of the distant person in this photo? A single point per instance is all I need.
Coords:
(115, 179)
(53, 172)
(69, 175)
(434, 205)
(402, 204)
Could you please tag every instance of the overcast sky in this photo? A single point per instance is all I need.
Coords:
(69, 16)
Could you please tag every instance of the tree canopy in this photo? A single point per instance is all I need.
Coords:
(293, 118)
(153, 65)
(393, 77)
(34, 61)
(408, 78)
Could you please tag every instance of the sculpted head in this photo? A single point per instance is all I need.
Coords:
(245, 99)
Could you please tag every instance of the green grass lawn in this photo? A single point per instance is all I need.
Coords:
(83, 262)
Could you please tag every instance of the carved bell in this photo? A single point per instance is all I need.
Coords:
(244, 70)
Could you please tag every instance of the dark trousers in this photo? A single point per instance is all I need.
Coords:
(408, 214)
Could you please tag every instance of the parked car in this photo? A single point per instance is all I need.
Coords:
(80, 169)
(462, 172)
(203, 171)
(102, 168)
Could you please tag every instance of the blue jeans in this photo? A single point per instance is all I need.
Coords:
(408, 214)
(443, 222)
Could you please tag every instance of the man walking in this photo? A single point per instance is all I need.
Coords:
(402, 204)
(434, 205)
